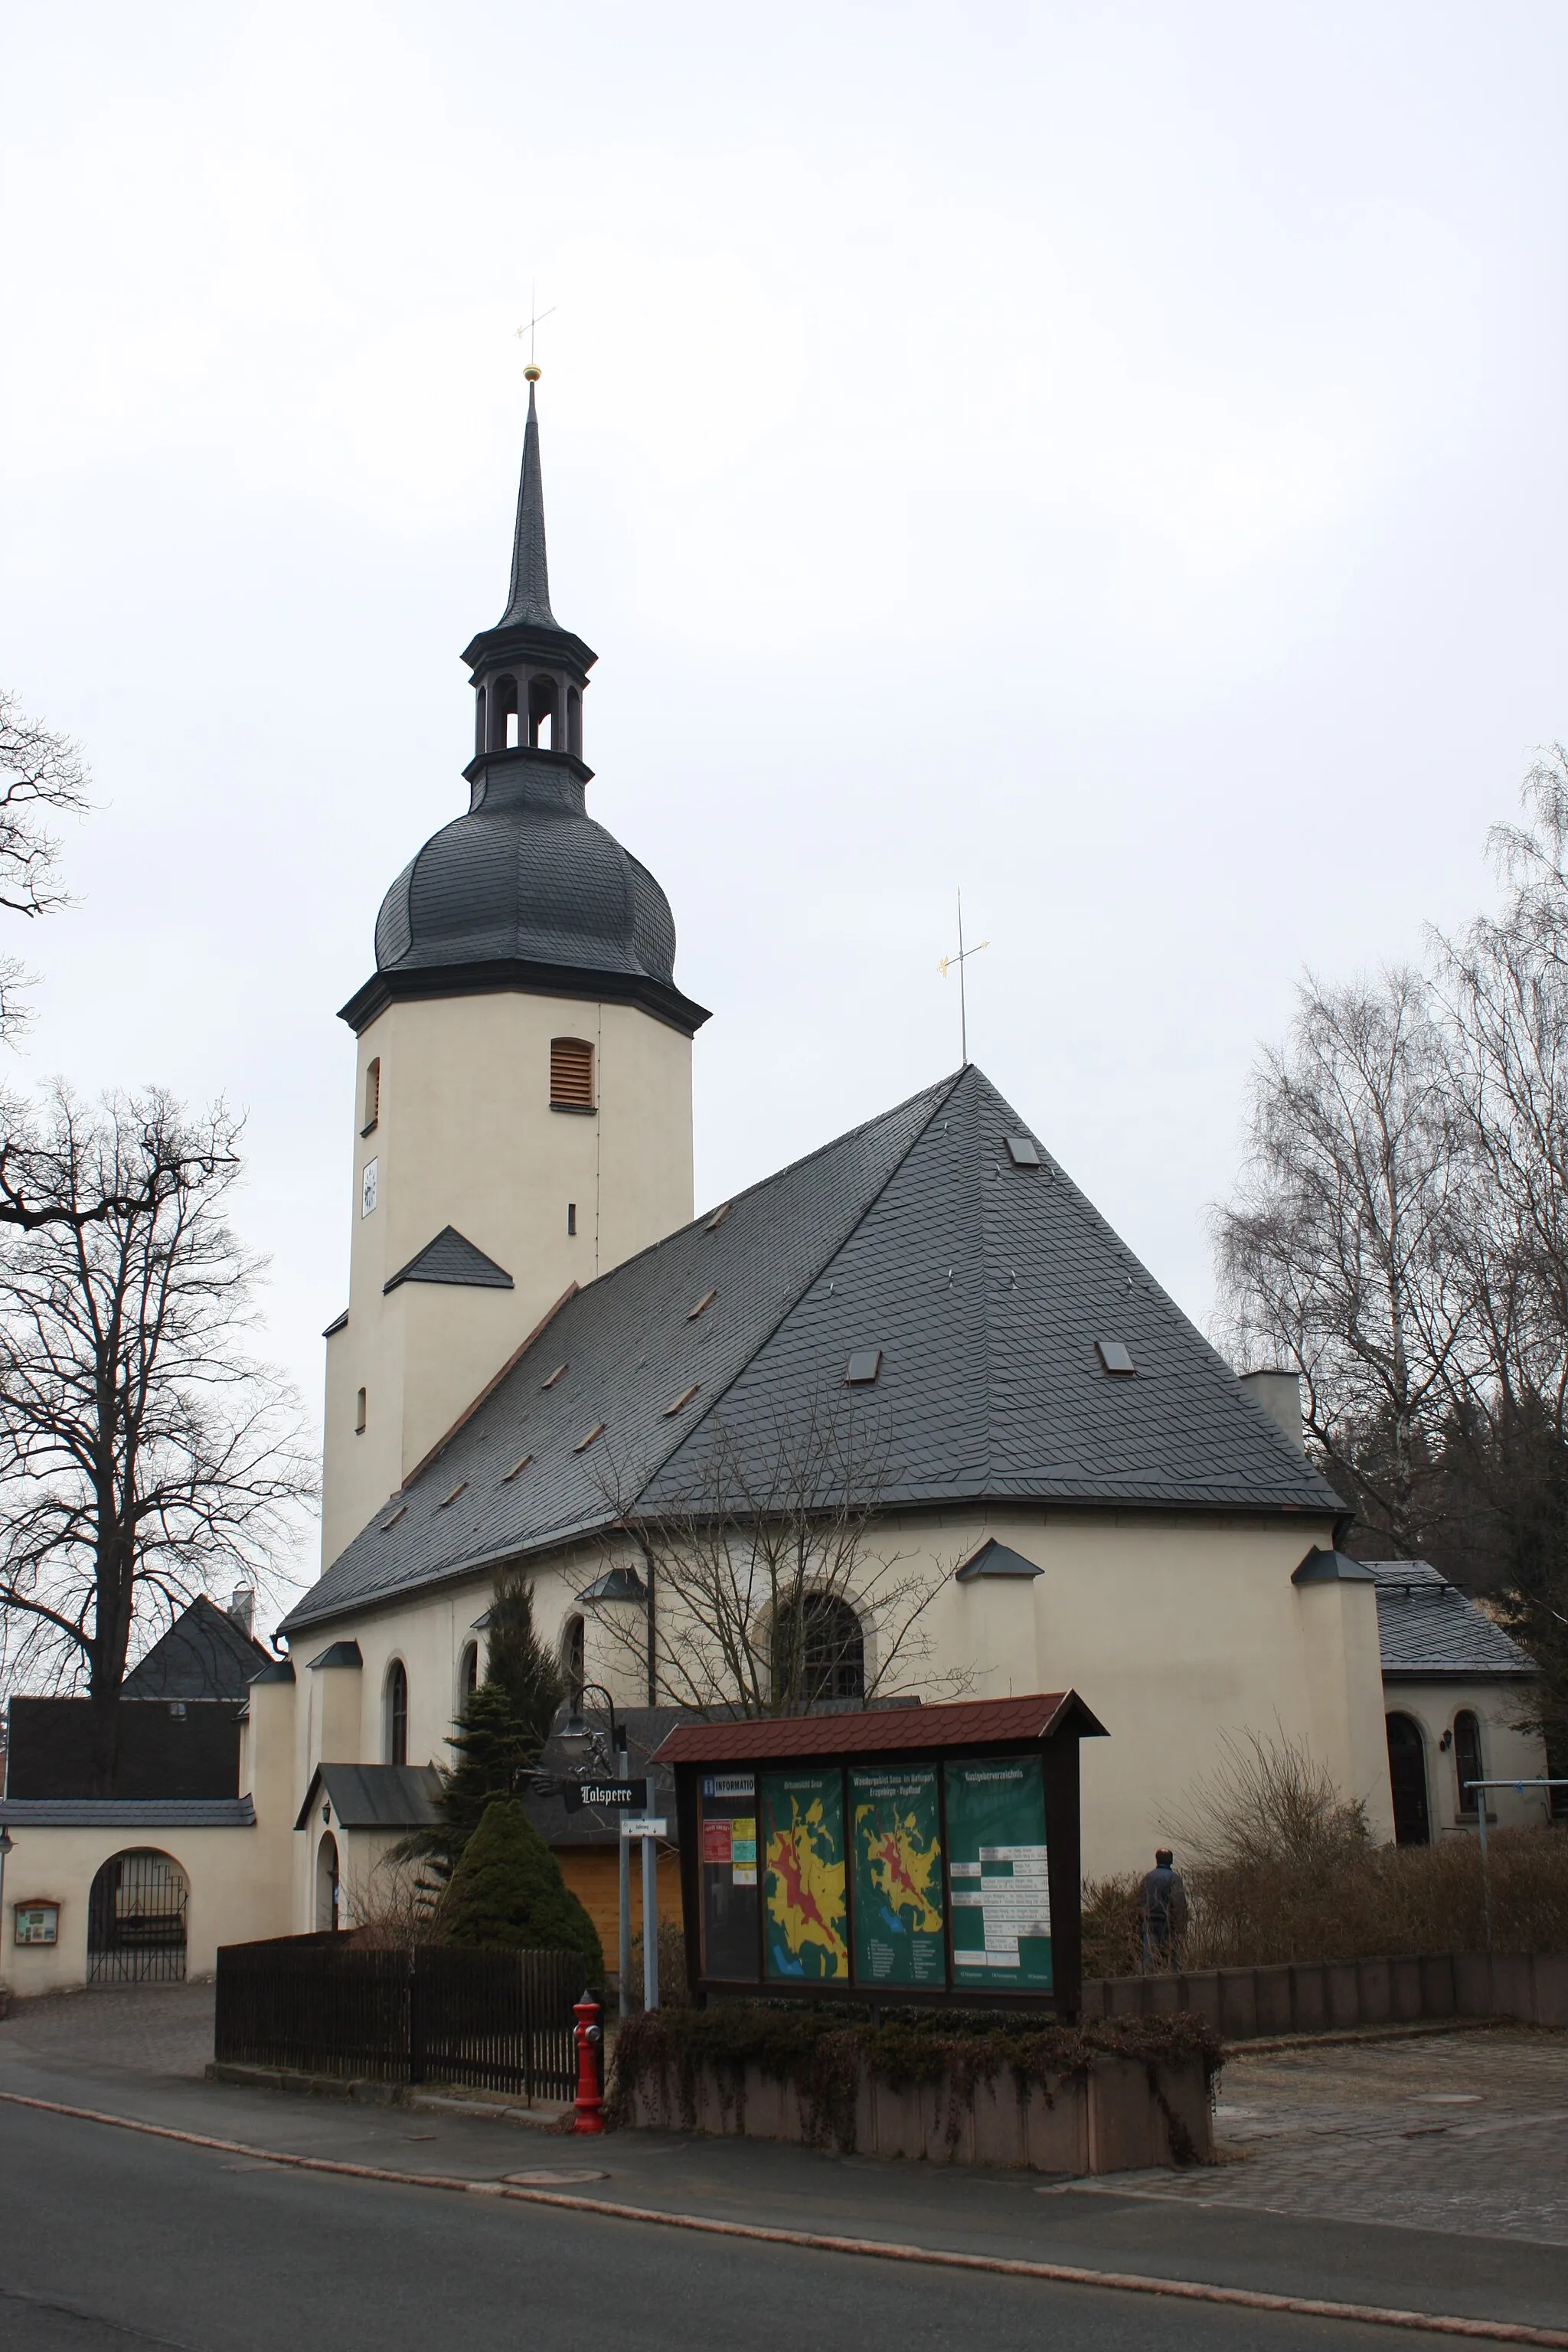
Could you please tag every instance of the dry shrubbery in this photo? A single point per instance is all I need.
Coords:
(1279, 1868)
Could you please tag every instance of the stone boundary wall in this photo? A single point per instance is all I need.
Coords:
(1109, 2120)
(1332, 1996)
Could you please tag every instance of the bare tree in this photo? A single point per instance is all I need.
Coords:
(143, 1451)
(770, 1582)
(1335, 1258)
(41, 774)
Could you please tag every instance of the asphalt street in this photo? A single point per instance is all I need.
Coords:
(111, 2239)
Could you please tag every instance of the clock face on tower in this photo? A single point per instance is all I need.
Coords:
(367, 1188)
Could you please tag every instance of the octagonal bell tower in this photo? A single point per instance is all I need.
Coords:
(522, 1098)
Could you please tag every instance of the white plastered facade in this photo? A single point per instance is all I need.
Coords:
(465, 1136)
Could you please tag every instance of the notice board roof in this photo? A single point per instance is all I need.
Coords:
(880, 1731)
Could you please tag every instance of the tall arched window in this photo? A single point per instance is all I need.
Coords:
(541, 709)
(372, 1096)
(501, 720)
(574, 1648)
(1407, 1780)
(1468, 1765)
(819, 1652)
(396, 1713)
(468, 1674)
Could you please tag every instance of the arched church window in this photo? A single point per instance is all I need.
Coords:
(371, 1097)
(541, 708)
(573, 1649)
(398, 1713)
(819, 1652)
(468, 1674)
(1467, 1762)
(571, 1073)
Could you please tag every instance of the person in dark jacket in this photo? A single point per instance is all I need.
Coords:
(1162, 1906)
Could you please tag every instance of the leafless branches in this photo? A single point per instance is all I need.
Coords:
(41, 774)
(144, 1453)
(771, 1583)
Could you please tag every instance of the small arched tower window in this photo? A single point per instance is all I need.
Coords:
(371, 1097)
(361, 1415)
(1468, 1763)
(575, 721)
(819, 1652)
(571, 1073)
(502, 724)
(542, 707)
(479, 721)
(398, 1713)
(573, 1649)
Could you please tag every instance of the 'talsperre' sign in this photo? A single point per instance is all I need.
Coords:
(613, 1796)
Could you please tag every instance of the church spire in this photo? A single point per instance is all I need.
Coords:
(528, 604)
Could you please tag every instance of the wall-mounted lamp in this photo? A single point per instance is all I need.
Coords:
(1445, 1742)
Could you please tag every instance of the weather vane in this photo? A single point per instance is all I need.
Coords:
(536, 319)
(961, 958)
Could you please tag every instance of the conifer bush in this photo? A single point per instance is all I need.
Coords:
(506, 1892)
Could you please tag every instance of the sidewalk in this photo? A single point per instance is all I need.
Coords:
(1429, 2174)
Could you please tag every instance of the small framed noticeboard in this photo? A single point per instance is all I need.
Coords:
(37, 1923)
(914, 1854)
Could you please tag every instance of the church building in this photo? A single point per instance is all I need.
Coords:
(543, 1348)
(546, 1354)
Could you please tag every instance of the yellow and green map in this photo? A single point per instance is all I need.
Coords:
(899, 1926)
(804, 1891)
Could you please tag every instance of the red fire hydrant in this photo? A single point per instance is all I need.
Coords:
(589, 2037)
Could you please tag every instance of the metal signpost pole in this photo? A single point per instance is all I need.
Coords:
(651, 1923)
(6, 1842)
(623, 1945)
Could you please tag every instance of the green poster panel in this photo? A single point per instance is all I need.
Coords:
(996, 1872)
(899, 1930)
(805, 1916)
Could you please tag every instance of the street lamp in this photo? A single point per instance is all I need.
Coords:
(577, 1736)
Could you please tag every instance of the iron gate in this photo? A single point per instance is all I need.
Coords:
(136, 1920)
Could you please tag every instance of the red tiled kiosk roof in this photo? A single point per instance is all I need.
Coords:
(880, 1731)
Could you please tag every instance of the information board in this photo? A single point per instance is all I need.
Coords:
(996, 1870)
(729, 1876)
(805, 1913)
(899, 1928)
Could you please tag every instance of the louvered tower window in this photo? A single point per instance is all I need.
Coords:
(571, 1073)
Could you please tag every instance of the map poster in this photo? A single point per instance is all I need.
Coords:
(996, 1872)
(899, 1930)
(804, 1918)
(730, 1877)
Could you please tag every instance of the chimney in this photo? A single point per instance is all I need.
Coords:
(1279, 1394)
(242, 1607)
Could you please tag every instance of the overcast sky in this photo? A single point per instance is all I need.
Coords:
(1108, 456)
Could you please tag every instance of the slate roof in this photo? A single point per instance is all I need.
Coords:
(204, 1654)
(375, 1796)
(1427, 1626)
(967, 1723)
(128, 1812)
(451, 1257)
(986, 1286)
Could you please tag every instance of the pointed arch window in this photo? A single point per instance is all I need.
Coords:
(398, 1713)
(574, 1650)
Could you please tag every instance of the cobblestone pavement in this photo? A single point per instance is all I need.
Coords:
(1465, 2133)
(143, 2029)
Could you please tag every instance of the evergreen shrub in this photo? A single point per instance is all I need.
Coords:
(506, 1892)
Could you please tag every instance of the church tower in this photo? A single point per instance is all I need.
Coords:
(522, 1101)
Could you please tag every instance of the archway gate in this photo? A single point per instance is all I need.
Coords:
(136, 1919)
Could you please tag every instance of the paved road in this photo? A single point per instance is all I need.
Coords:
(114, 2240)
